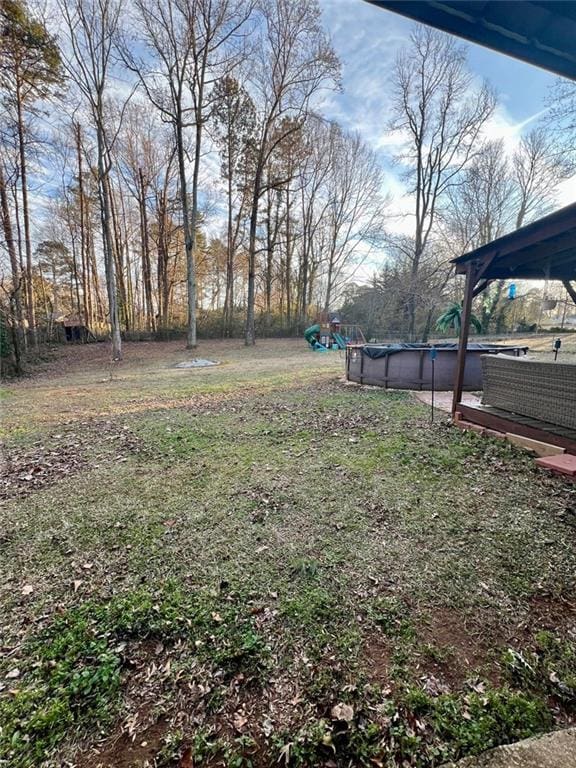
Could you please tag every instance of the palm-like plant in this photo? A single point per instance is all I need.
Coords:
(451, 319)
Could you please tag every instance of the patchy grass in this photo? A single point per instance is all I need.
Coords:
(257, 563)
(72, 675)
(542, 344)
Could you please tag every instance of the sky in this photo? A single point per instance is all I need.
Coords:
(367, 40)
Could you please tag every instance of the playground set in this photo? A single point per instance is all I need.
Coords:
(331, 334)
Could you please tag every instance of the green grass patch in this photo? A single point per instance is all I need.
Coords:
(417, 730)
(73, 668)
(317, 528)
(549, 669)
(470, 723)
(72, 681)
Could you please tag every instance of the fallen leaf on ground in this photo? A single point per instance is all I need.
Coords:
(240, 721)
(342, 712)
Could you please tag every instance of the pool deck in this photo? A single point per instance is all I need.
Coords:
(443, 400)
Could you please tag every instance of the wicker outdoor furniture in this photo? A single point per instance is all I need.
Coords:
(541, 390)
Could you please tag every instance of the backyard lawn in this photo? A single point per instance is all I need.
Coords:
(256, 564)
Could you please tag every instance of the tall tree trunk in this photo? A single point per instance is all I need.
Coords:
(288, 265)
(76, 281)
(91, 256)
(250, 331)
(108, 247)
(229, 291)
(305, 267)
(25, 212)
(16, 349)
(162, 271)
(427, 326)
(86, 293)
(117, 254)
(191, 339)
(189, 238)
(329, 281)
(146, 270)
(16, 299)
(47, 305)
(269, 259)
(124, 246)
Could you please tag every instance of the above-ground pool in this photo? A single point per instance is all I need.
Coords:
(409, 366)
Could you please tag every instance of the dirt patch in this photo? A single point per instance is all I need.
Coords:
(459, 648)
(551, 612)
(445, 654)
(127, 751)
(377, 654)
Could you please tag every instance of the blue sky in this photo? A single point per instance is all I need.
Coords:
(367, 40)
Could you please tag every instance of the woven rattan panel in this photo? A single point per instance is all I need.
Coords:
(545, 391)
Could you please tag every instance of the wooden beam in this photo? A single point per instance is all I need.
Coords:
(553, 250)
(471, 277)
(570, 289)
(481, 287)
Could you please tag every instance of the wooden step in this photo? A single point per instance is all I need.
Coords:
(535, 446)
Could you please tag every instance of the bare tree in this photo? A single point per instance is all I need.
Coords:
(30, 70)
(15, 300)
(192, 45)
(480, 209)
(560, 118)
(560, 128)
(354, 215)
(233, 118)
(294, 60)
(315, 172)
(91, 27)
(482, 206)
(442, 115)
(538, 167)
(497, 195)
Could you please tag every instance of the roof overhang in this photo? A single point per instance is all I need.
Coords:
(545, 249)
(539, 32)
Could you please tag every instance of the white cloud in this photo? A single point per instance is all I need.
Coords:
(567, 192)
(502, 126)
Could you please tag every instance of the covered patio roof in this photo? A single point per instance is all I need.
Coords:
(540, 32)
(545, 249)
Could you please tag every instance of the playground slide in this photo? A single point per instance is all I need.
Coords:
(310, 336)
(310, 333)
(339, 340)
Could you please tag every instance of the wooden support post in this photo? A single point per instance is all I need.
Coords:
(464, 332)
